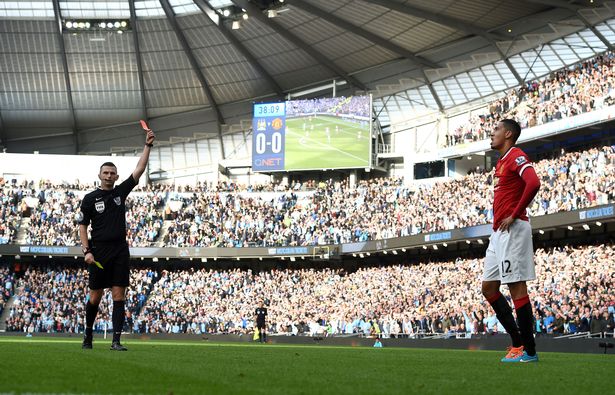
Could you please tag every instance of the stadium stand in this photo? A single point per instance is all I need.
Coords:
(582, 88)
(409, 300)
(52, 221)
(232, 215)
(329, 159)
(432, 297)
(52, 299)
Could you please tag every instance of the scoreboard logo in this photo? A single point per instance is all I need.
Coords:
(277, 124)
(261, 125)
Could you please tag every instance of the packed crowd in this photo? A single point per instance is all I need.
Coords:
(380, 208)
(311, 213)
(53, 299)
(53, 212)
(440, 297)
(575, 180)
(354, 105)
(582, 88)
(231, 186)
(52, 221)
(573, 293)
(144, 218)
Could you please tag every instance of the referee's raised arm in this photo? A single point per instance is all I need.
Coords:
(149, 143)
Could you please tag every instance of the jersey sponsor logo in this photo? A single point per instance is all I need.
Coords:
(520, 160)
(99, 206)
(117, 200)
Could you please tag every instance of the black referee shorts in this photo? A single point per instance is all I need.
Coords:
(114, 258)
(260, 325)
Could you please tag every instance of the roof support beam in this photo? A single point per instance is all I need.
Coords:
(207, 9)
(510, 67)
(69, 92)
(256, 13)
(135, 39)
(384, 43)
(453, 23)
(168, 10)
(433, 92)
(576, 9)
(443, 20)
(508, 63)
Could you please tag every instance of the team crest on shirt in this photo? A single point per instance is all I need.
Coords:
(520, 160)
(99, 206)
(117, 200)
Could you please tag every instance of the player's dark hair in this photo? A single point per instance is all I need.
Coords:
(110, 164)
(513, 126)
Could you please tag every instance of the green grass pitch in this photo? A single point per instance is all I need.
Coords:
(155, 367)
(346, 145)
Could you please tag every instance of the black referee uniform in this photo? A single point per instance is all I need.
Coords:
(261, 323)
(106, 211)
(106, 253)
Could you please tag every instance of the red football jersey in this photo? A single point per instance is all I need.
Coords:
(508, 184)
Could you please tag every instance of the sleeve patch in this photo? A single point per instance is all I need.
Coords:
(520, 160)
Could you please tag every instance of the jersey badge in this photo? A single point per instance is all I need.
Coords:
(520, 160)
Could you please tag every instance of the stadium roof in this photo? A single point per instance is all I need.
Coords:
(195, 66)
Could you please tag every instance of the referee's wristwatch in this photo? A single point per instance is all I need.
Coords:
(86, 250)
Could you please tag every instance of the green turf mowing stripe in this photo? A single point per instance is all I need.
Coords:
(37, 365)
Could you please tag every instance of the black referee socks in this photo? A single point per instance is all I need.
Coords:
(118, 319)
(504, 314)
(90, 316)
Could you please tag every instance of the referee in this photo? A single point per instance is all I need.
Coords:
(105, 210)
(261, 322)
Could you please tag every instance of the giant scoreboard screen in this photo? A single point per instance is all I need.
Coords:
(315, 134)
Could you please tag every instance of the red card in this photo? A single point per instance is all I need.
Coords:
(144, 125)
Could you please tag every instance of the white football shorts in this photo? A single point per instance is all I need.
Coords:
(510, 255)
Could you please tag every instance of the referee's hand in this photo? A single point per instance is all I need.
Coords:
(150, 137)
(89, 258)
